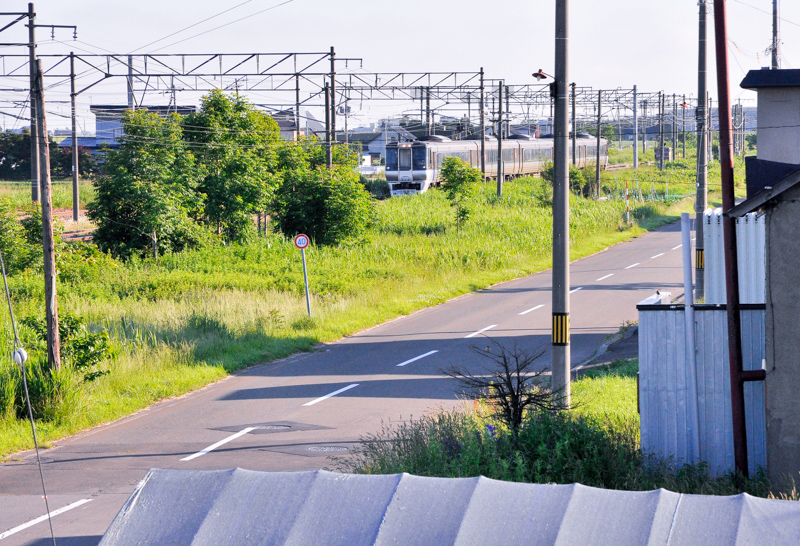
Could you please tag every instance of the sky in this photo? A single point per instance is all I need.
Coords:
(613, 43)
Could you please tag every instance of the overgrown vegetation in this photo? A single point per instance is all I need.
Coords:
(589, 445)
(178, 183)
(460, 185)
(191, 317)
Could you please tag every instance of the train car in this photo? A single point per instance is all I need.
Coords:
(413, 167)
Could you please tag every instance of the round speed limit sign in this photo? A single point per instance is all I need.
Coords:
(301, 241)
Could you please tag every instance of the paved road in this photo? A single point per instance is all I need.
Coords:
(293, 414)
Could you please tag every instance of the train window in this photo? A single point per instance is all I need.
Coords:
(391, 159)
(418, 157)
(405, 159)
(508, 155)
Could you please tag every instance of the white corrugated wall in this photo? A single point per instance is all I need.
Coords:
(750, 243)
(667, 424)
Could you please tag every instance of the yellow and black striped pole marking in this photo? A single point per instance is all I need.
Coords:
(699, 259)
(561, 329)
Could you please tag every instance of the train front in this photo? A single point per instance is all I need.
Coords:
(406, 167)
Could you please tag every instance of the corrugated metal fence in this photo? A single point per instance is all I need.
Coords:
(750, 242)
(667, 383)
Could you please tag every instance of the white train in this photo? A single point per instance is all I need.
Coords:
(413, 167)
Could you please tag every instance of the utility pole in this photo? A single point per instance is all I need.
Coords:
(297, 102)
(674, 127)
(507, 120)
(683, 126)
(499, 134)
(660, 131)
(599, 127)
(333, 99)
(560, 293)
(428, 110)
(34, 124)
(483, 128)
(129, 80)
(574, 128)
(729, 233)
(328, 145)
(644, 129)
(48, 245)
(635, 130)
(75, 178)
(710, 131)
(776, 62)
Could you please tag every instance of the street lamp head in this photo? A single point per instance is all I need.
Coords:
(540, 75)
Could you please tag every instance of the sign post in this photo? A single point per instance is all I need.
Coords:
(301, 241)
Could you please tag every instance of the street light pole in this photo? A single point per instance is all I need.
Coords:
(560, 326)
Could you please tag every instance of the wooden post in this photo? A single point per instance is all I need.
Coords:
(48, 244)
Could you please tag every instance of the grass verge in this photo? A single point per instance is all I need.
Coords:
(191, 318)
(596, 444)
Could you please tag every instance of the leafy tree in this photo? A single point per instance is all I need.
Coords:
(330, 206)
(235, 143)
(577, 182)
(15, 158)
(750, 139)
(147, 200)
(17, 252)
(460, 186)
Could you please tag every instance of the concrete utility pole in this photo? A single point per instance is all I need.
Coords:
(599, 128)
(674, 127)
(644, 129)
(75, 178)
(48, 245)
(129, 81)
(34, 129)
(297, 101)
(776, 61)
(683, 126)
(729, 234)
(328, 141)
(483, 128)
(428, 110)
(660, 131)
(560, 293)
(574, 128)
(333, 97)
(499, 135)
(635, 130)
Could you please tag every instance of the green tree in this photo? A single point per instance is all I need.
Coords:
(330, 206)
(236, 145)
(147, 200)
(577, 182)
(461, 187)
(15, 158)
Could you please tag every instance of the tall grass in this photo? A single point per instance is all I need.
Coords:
(19, 193)
(191, 318)
(595, 444)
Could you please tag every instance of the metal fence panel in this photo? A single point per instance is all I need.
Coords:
(664, 376)
(750, 244)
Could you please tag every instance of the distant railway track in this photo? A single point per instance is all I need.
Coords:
(619, 167)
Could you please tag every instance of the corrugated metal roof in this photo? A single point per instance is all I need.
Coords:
(247, 507)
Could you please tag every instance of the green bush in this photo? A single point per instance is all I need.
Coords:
(577, 180)
(330, 206)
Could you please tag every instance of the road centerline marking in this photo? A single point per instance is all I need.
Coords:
(40, 519)
(656, 256)
(604, 278)
(330, 395)
(576, 289)
(633, 265)
(212, 447)
(482, 330)
(420, 357)
(677, 247)
(532, 309)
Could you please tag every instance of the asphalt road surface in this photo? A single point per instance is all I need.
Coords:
(295, 413)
